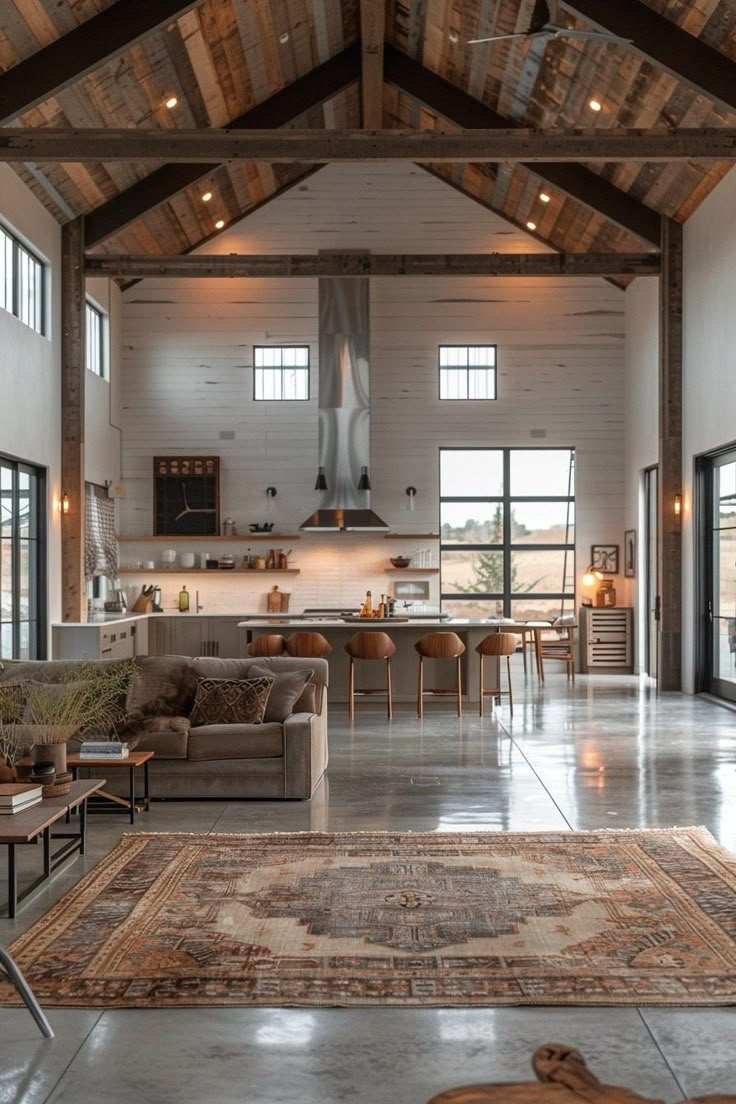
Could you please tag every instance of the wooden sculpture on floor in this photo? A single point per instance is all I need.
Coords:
(566, 1080)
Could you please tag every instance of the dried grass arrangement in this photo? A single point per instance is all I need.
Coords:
(89, 697)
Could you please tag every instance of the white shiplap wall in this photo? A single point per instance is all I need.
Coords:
(187, 374)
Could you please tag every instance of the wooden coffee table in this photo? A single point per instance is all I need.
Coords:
(26, 827)
(135, 759)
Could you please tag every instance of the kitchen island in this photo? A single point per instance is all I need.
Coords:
(404, 633)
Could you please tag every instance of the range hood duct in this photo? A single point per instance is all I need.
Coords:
(344, 406)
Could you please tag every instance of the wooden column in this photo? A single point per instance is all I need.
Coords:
(73, 589)
(669, 567)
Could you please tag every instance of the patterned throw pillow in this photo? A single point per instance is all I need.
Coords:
(230, 701)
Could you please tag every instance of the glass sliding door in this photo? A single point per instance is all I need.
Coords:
(22, 562)
(722, 569)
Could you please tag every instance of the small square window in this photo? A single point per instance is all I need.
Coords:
(280, 373)
(467, 371)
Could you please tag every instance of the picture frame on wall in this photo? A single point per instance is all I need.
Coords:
(630, 553)
(604, 558)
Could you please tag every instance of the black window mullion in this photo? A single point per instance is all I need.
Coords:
(507, 532)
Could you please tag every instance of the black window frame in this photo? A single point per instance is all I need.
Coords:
(39, 572)
(19, 249)
(281, 369)
(91, 308)
(487, 368)
(507, 546)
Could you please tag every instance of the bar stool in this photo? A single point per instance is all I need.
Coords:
(270, 645)
(496, 644)
(439, 645)
(308, 645)
(370, 646)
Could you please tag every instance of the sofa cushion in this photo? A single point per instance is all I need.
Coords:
(285, 691)
(230, 701)
(236, 741)
(167, 743)
(165, 687)
(307, 700)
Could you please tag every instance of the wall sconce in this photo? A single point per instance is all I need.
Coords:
(65, 503)
(412, 493)
(678, 505)
(364, 483)
(321, 482)
(271, 493)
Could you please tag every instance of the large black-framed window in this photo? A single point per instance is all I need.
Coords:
(507, 532)
(22, 282)
(715, 552)
(22, 561)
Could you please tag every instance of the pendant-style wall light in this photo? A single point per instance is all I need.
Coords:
(678, 505)
(364, 483)
(321, 481)
(412, 494)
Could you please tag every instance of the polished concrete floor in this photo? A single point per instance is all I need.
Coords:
(608, 753)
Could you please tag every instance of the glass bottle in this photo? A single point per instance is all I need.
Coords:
(367, 610)
(183, 600)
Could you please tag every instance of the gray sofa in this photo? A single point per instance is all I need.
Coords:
(283, 759)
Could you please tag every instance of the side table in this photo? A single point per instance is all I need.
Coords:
(134, 760)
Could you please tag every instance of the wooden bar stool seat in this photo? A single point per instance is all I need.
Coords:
(308, 645)
(370, 646)
(440, 645)
(272, 644)
(498, 645)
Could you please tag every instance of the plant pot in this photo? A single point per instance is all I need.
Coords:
(7, 774)
(54, 752)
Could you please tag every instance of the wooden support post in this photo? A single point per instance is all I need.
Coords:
(73, 589)
(372, 35)
(669, 567)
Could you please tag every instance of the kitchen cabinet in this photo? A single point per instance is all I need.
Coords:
(194, 636)
(119, 639)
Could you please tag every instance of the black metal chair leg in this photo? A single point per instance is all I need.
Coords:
(29, 999)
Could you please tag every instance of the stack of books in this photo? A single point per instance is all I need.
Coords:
(16, 797)
(103, 749)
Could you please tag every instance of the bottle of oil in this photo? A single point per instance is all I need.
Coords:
(183, 600)
(367, 609)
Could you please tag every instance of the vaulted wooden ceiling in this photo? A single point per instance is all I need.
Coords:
(224, 59)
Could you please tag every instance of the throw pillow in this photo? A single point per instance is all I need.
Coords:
(287, 687)
(230, 701)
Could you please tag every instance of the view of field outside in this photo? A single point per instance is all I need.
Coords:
(479, 488)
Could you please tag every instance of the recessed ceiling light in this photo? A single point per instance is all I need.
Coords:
(284, 38)
(172, 101)
(453, 37)
(219, 224)
(207, 197)
(595, 105)
(544, 197)
(531, 225)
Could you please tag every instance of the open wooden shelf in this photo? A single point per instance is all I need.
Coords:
(411, 536)
(213, 538)
(412, 570)
(164, 571)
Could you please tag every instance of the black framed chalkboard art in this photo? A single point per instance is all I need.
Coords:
(186, 496)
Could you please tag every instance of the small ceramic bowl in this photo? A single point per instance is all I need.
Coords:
(400, 561)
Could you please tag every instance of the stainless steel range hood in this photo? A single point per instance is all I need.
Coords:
(344, 406)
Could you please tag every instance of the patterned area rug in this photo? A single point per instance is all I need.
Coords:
(403, 919)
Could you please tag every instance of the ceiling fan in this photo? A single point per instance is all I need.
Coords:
(542, 25)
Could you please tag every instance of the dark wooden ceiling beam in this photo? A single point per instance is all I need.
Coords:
(248, 266)
(372, 36)
(445, 99)
(215, 146)
(670, 47)
(316, 87)
(83, 50)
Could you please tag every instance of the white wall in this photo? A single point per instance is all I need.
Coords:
(30, 367)
(102, 446)
(187, 373)
(642, 415)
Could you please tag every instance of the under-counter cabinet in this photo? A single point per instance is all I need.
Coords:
(194, 636)
(606, 644)
(120, 639)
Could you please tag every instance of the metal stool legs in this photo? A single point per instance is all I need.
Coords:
(16, 977)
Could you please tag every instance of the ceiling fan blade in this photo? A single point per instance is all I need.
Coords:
(497, 38)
